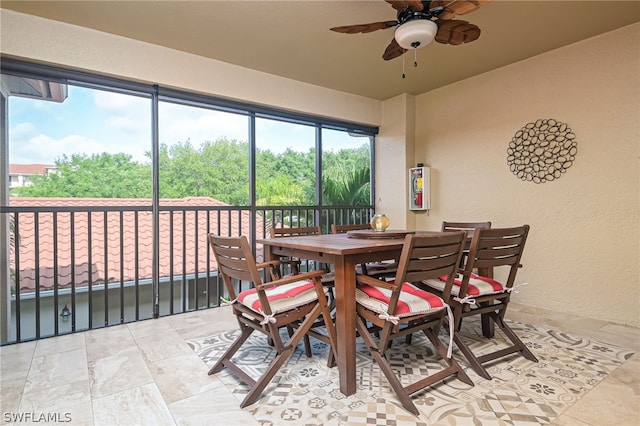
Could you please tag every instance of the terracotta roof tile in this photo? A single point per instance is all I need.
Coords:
(30, 169)
(83, 238)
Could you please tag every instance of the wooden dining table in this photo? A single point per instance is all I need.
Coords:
(344, 252)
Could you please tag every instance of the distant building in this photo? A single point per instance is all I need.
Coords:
(20, 174)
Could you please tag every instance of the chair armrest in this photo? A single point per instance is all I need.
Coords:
(271, 263)
(274, 268)
(293, 278)
(375, 282)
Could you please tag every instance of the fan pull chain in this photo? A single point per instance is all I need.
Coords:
(415, 57)
(403, 75)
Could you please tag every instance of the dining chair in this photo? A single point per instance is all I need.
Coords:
(469, 228)
(328, 278)
(277, 232)
(296, 302)
(371, 268)
(294, 264)
(474, 294)
(397, 308)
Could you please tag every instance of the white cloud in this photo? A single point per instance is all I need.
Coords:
(115, 101)
(30, 145)
(41, 148)
(127, 120)
(129, 123)
(27, 145)
(277, 136)
(23, 131)
(179, 123)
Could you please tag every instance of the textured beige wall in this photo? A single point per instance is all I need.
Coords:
(583, 252)
(30, 37)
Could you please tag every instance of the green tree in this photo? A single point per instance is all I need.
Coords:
(290, 174)
(97, 176)
(349, 188)
(346, 177)
(279, 191)
(345, 159)
(218, 169)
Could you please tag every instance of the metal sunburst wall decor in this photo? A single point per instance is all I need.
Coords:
(542, 151)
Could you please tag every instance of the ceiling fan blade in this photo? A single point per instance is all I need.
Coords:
(456, 7)
(456, 32)
(393, 50)
(364, 28)
(402, 5)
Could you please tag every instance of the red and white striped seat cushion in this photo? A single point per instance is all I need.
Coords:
(282, 298)
(412, 300)
(478, 285)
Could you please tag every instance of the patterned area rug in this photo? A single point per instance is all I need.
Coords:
(306, 392)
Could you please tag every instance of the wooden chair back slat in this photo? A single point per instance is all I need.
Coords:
(342, 229)
(464, 226)
(292, 232)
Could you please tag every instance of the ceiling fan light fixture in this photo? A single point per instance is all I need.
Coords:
(416, 33)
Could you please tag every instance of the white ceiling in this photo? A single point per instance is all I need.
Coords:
(292, 38)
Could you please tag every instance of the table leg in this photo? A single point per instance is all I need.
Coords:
(345, 279)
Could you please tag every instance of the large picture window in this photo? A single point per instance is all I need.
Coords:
(111, 187)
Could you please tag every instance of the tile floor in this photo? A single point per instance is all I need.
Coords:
(145, 373)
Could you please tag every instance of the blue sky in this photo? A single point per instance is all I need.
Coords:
(91, 122)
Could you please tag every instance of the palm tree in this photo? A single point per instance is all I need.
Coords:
(350, 188)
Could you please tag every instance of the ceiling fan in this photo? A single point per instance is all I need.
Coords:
(420, 22)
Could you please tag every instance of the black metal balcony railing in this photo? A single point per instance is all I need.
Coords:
(78, 268)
